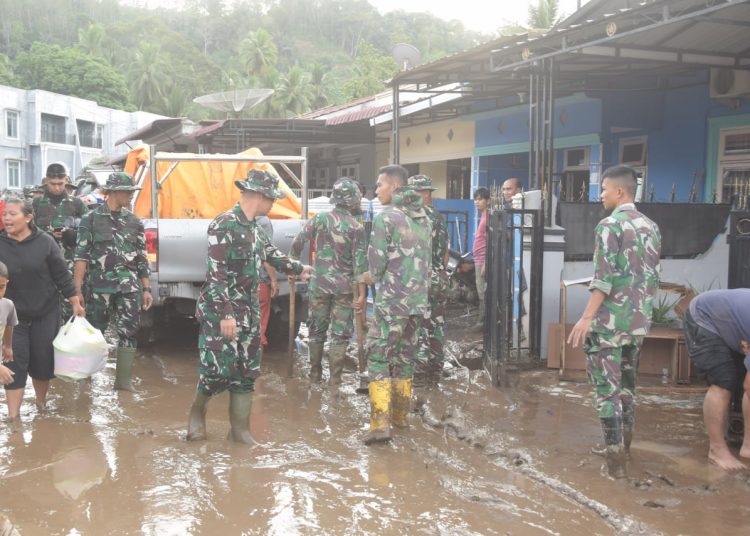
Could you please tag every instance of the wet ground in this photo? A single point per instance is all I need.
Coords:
(482, 461)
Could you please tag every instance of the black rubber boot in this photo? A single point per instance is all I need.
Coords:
(336, 359)
(197, 418)
(240, 405)
(628, 424)
(615, 454)
(316, 361)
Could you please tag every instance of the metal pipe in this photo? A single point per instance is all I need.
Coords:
(154, 182)
(270, 159)
(303, 177)
(394, 126)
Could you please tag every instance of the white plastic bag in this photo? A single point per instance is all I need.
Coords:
(80, 350)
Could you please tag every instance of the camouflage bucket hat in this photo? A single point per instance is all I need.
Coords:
(120, 182)
(261, 181)
(421, 182)
(31, 189)
(346, 192)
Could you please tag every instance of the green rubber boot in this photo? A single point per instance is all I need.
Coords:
(124, 369)
(336, 358)
(240, 405)
(316, 361)
(197, 417)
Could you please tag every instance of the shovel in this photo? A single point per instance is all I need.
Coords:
(360, 325)
(292, 326)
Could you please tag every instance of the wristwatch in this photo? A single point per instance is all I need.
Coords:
(147, 289)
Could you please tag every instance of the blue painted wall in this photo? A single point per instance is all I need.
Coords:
(466, 208)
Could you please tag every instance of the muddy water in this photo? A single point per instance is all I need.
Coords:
(491, 462)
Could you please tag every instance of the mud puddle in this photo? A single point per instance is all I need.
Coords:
(476, 460)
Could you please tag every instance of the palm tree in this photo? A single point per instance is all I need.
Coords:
(176, 102)
(544, 15)
(295, 92)
(91, 39)
(148, 76)
(258, 52)
(319, 83)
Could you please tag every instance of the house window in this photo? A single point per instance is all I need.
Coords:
(13, 168)
(734, 167)
(53, 128)
(633, 151)
(574, 184)
(350, 170)
(89, 134)
(11, 124)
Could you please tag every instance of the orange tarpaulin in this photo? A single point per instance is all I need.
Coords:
(202, 190)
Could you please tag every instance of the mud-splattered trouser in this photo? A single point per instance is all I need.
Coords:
(227, 364)
(126, 308)
(613, 370)
(431, 333)
(334, 310)
(392, 346)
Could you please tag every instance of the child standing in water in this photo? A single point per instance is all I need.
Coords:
(8, 319)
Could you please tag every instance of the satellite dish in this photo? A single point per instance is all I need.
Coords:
(234, 100)
(407, 56)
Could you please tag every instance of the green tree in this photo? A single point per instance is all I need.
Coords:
(6, 71)
(71, 72)
(320, 82)
(258, 52)
(176, 102)
(149, 76)
(543, 15)
(91, 39)
(371, 70)
(294, 91)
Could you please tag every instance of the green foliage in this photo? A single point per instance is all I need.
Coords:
(544, 14)
(663, 309)
(371, 70)
(72, 72)
(313, 52)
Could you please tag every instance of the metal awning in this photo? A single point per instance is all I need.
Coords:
(273, 135)
(596, 50)
(161, 129)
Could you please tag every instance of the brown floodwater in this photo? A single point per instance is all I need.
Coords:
(484, 461)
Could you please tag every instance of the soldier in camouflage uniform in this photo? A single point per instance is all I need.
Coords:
(618, 314)
(32, 191)
(58, 213)
(340, 261)
(111, 252)
(431, 335)
(399, 258)
(228, 309)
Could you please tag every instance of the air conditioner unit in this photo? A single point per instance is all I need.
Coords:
(729, 83)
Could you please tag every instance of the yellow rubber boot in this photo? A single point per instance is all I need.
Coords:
(380, 412)
(401, 402)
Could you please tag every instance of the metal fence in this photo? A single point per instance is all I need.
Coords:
(513, 271)
(458, 228)
(739, 249)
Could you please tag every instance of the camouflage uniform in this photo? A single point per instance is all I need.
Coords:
(30, 189)
(339, 240)
(626, 270)
(399, 259)
(431, 335)
(114, 246)
(236, 251)
(66, 213)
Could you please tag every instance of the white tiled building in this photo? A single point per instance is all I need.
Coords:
(39, 127)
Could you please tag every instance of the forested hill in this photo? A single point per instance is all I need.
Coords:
(312, 52)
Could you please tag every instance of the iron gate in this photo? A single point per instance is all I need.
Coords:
(511, 332)
(739, 249)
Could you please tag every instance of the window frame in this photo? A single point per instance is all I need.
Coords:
(17, 115)
(18, 167)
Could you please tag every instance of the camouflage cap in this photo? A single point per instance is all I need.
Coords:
(421, 182)
(346, 192)
(261, 181)
(31, 189)
(120, 182)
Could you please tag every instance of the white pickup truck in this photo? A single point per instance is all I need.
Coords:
(177, 251)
